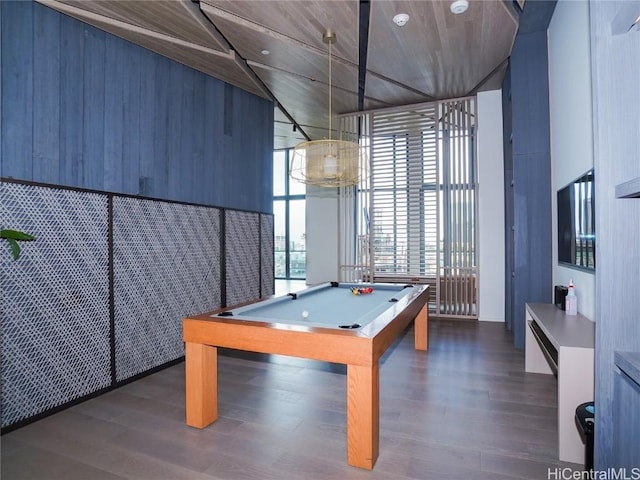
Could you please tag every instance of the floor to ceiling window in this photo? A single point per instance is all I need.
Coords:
(289, 218)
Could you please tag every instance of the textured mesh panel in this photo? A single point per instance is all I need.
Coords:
(54, 302)
(266, 252)
(166, 267)
(242, 232)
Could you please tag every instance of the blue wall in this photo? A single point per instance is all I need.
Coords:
(83, 108)
(528, 192)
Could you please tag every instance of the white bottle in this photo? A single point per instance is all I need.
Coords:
(571, 301)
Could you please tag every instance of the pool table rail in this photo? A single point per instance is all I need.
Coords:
(325, 344)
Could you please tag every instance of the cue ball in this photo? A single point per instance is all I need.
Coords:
(305, 314)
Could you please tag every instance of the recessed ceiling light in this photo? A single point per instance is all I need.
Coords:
(265, 52)
(401, 19)
(459, 6)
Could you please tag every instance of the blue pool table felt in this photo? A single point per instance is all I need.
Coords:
(327, 306)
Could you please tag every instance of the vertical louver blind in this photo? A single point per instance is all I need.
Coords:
(353, 210)
(414, 218)
(458, 271)
(403, 200)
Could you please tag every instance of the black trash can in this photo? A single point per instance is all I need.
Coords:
(585, 420)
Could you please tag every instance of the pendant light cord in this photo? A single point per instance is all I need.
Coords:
(330, 90)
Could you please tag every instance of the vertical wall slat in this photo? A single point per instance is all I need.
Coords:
(185, 134)
(71, 101)
(133, 132)
(198, 134)
(1, 78)
(113, 126)
(173, 129)
(149, 108)
(213, 143)
(17, 78)
(90, 171)
(162, 136)
(46, 101)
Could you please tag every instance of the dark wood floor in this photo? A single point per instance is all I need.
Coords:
(465, 409)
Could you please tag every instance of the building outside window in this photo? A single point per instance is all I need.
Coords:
(289, 220)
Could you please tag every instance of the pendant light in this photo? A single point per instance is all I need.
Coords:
(328, 162)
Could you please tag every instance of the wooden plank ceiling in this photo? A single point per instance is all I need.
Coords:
(436, 55)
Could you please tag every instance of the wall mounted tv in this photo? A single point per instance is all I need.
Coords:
(577, 223)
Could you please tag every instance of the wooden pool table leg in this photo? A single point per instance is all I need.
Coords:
(363, 415)
(201, 372)
(421, 329)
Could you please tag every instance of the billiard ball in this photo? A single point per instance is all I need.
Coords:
(305, 314)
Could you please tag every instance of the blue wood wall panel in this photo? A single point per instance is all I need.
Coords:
(71, 101)
(251, 118)
(1, 112)
(17, 78)
(625, 442)
(174, 114)
(111, 177)
(93, 141)
(213, 143)
(156, 171)
(83, 108)
(530, 75)
(528, 200)
(197, 135)
(46, 99)
(615, 76)
(147, 127)
(185, 129)
(507, 126)
(132, 128)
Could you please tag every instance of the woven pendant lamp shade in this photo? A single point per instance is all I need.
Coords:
(328, 162)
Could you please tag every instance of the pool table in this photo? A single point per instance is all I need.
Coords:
(326, 322)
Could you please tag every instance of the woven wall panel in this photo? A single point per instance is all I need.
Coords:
(54, 301)
(242, 243)
(266, 253)
(166, 267)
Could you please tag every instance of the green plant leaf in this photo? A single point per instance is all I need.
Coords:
(15, 248)
(15, 235)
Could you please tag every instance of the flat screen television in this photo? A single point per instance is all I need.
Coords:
(577, 223)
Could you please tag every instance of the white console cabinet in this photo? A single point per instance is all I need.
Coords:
(561, 344)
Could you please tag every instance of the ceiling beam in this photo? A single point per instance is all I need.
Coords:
(363, 48)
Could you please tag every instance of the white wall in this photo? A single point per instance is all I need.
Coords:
(571, 124)
(490, 207)
(321, 235)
